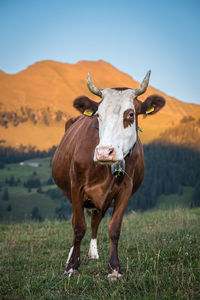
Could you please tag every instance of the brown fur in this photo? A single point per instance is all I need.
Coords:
(82, 103)
(70, 122)
(155, 101)
(86, 182)
(128, 118)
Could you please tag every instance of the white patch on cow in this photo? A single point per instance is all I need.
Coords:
(114, 275)
(69, 255)
(111, 128)
(93, 252)
(117, 109)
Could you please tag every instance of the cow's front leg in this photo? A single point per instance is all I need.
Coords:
(95, 221)
(114, 229)
(79, 227)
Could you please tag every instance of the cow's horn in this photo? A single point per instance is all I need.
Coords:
(93, 89)
(144, 85)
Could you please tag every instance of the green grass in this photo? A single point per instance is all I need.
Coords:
(158, 250)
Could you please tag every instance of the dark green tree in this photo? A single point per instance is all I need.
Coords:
(39, 190)
(35, 214)
(32, 182)
(50, 181)
(12, 181)
(63, 212)
(9, 208)
(2, 166)
(5, 195)
(196, 195)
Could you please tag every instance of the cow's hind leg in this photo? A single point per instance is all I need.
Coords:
(79, 227)
(95, 221)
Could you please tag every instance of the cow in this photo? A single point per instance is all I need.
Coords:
(100, 161)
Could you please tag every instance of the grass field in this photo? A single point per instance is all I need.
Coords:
(24, 171)
(159, 253)
(23, 200)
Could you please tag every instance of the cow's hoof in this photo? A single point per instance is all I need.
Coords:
(114, 275)
(70, 272)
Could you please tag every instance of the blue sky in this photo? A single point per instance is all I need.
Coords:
(134, 36)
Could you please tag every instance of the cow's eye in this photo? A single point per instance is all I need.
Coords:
(97, 115)
(131, 115)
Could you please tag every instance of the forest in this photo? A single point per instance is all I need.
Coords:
(168, 170)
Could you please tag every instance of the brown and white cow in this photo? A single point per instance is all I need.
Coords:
(82, 164)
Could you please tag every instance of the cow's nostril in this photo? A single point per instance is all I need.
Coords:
(110, 151)
(105, 153)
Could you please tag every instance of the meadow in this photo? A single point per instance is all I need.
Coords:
(159, 252)
(24, 197)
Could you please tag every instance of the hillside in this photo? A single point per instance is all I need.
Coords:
(36, 102)
(185, 134)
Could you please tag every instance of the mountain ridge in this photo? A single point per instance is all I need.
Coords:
(43, 93)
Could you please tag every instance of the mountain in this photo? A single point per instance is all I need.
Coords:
(36, 102)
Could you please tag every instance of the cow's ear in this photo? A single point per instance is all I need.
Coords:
(85, 105)
(151, 105)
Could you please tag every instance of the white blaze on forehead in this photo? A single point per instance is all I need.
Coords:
(117, 109)
(93, 252)
(111, 127)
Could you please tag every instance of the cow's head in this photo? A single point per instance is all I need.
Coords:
(117, 116)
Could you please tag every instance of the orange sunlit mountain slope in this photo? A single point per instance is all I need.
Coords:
(36, 102)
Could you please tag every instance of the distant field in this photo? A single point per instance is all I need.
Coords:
(22, 200)
(158, 250)
(24, 171)
(175, 201)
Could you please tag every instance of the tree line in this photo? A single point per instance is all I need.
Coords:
(168, 169)
(45, 116)
(12, 155)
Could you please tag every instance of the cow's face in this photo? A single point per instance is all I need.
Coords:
(117, 125)
(117, 116)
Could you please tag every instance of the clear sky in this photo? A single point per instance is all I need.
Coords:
(134, 36)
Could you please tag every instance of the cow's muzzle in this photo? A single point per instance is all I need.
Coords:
(105, 155)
